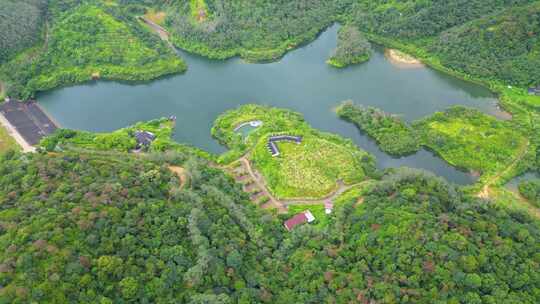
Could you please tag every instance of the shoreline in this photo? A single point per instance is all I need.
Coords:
(402, 60)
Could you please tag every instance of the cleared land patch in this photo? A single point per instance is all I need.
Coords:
(309, 169)
(157, 17)
(119, 140)
(469, 139)
(312, 168)
(181, 173)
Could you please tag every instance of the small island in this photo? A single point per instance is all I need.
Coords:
(352, 48)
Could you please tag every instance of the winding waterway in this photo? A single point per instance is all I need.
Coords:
(301, 81)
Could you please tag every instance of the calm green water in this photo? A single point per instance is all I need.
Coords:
(301, 81)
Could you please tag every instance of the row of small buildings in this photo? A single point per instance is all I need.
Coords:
(272, 140)
(534, 91)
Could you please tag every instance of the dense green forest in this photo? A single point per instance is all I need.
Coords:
(90, 42)
(392, 134)
(505, 46)
(412, 20)
(531, 191)
(352, 47)
(256, 30)
(81, 228)
(85, 228)
(21, 25)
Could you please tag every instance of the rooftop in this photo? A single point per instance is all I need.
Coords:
(300, 218)
(144, 138)
(272, 147)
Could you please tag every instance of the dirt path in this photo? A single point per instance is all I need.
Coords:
(181, 173)
(485, 190)
(163, 33)
(15, 134)
(282, 204)
(342, 188)
(273, 202)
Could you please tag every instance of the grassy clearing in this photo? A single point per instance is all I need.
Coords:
(469, 139)
(321, 219)
(353, 194)
(521, 97)
(508, 199)
(119, 140)
(158, 17)
(6, 141)
(311, 169)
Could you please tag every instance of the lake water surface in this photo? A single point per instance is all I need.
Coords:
(300, 81)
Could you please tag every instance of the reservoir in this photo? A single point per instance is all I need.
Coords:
(300, 81)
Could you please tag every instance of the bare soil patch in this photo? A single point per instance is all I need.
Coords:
(181, 173)
(402, 60)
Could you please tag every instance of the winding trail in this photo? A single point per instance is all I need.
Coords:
(342, 188)
(259, 181)
(181, 173)
(485, 190)
(162, 32)
(282, 204)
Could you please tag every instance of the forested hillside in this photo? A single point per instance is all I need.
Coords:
(415, 239)
(84, 228)
(489, 40)
(256, 30)
(412, 19)
(505, 46)
(111, 228)
(88, 42)
(21, 25)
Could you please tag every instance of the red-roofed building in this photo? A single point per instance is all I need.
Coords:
(300, 218)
